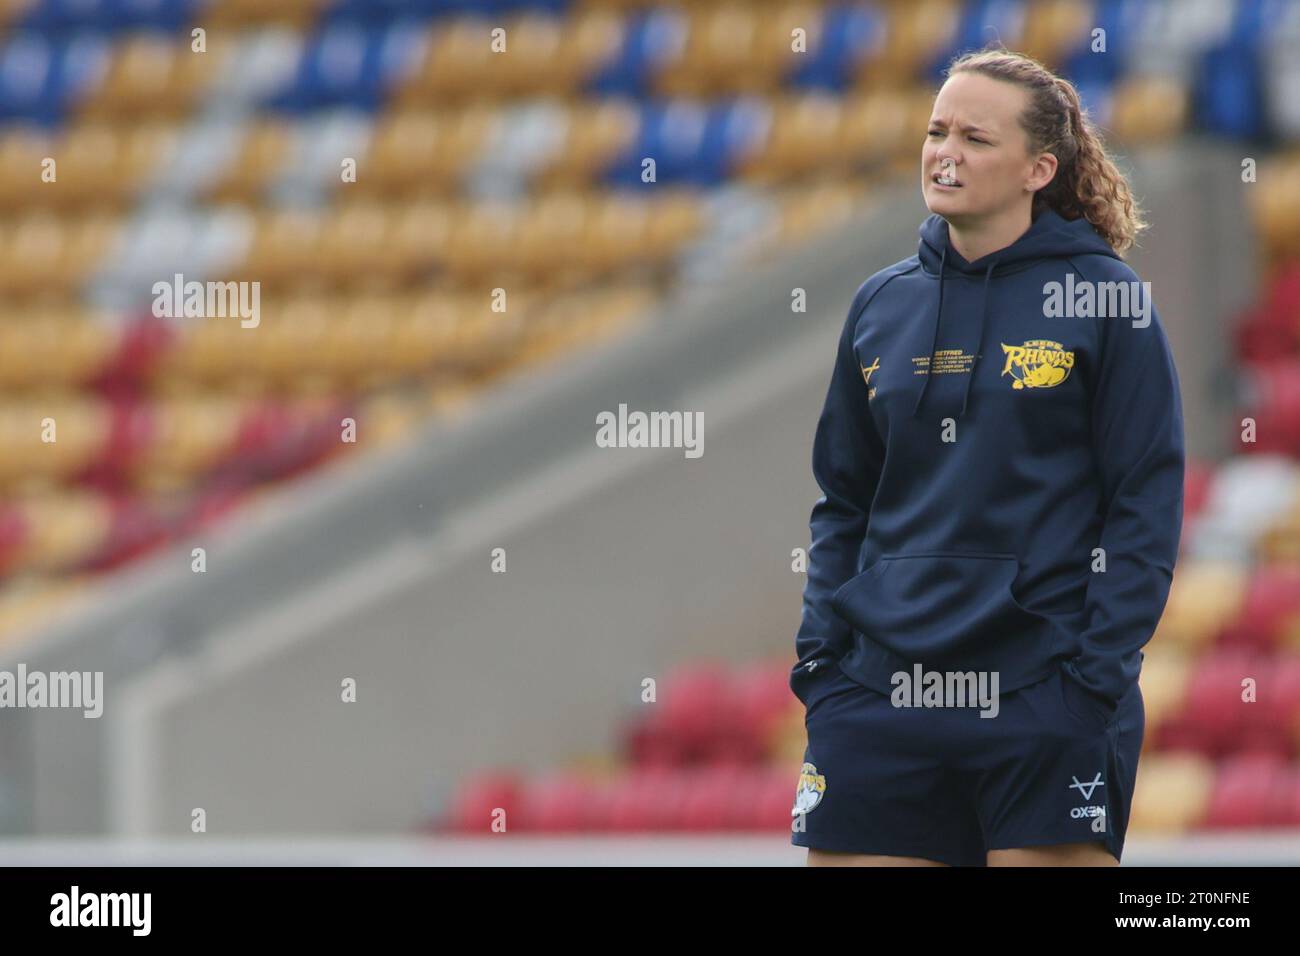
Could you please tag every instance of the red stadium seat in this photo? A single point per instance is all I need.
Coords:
(1245, 794)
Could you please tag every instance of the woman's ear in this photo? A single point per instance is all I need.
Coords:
(1041, 173)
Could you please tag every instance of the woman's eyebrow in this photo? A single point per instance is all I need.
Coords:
(969, 128)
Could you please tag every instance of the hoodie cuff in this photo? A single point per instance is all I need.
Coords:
(806, 678)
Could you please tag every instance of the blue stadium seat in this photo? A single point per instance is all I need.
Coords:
(983, 22)
(690, 142)
(848, 36)
(40, 78)
(459, 8)
(652, 37)
(1228, 91)
(1254, 19)
(110, 16)
(350, 64)
(1101, 70)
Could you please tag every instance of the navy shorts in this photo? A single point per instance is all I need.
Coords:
(949, 785)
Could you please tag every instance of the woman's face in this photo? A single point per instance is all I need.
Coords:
(975, 135)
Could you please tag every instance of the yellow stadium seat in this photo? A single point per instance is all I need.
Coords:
(50, 437)
(260, 157)
(285, 248)
(458, 64)
(44, 255)
(1052, 27)
(533, 43)
(421, 234)
(22, 153)
(242, 13)
(1166, 670)
(416, 152)
(102, 163)
(882, 124)
(675, 219)
(424, 332)
(1280, 542)
(354, 243)
(809, 210)
(596, 132)
(551, 233)
(916, 31)
(801, 142)
(214, 352)
(726, 50)
(52, 348)
(191, 434)
(1149, 110)
(1204, 597)
(1276, 210)
(616, 234)
(297, 340)
(152, 74)
(1172, 794)
(483, 240)
(363, 340)
(387, 417)
(588, 38)
(65, 528)
(576, 321)
(29, 247)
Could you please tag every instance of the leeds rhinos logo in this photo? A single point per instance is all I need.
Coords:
(809, 793)
(1039, 363)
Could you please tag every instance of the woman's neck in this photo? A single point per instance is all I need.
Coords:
(976, 239)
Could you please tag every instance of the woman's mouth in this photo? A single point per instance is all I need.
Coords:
(946, 180)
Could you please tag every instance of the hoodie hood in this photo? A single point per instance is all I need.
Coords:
(1048, 236)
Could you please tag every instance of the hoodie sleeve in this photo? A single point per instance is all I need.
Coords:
(846, 460)
(1137, 433)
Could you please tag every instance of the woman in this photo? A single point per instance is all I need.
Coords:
(1001, 456)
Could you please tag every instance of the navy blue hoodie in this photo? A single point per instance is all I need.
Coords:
(980, 440)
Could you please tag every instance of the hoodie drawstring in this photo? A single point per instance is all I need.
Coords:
(943, 259)
(979, 344)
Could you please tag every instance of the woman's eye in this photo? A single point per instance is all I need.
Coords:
(935, 132)
(976, 139)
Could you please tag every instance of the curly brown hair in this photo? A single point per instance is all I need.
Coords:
(1087, 182)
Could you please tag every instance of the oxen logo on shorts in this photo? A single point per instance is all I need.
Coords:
(1087, 786)
(1039, 363)
(809, 793)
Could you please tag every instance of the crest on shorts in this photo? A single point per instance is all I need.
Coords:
(809, 792)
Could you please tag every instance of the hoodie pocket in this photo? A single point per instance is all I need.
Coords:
(932, 606)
